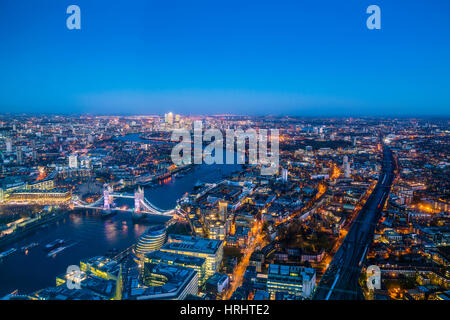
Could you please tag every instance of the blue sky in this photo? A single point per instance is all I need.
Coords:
(235, 56)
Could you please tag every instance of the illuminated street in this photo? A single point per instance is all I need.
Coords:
(238, 274)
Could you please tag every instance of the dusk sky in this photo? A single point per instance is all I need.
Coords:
(235, 56)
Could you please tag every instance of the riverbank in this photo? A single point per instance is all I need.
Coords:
(30, 228)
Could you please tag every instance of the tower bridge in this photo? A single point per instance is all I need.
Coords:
(141, 204)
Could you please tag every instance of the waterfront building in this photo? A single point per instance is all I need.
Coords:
(100, 277)
(151, 240)
(101, 266)
(46, 184)
(38, 196)
(7, 186)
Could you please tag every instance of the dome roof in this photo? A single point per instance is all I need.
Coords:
(151, 240)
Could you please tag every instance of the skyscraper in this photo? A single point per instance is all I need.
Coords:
(19, 156)
(168, 117)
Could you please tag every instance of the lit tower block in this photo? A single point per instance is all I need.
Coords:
(223, 205)
(346, 167)
(106, 197)
(138, 199)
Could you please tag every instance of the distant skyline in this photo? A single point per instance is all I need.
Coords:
(300, 58)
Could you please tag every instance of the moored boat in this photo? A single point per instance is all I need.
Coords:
(6, 253)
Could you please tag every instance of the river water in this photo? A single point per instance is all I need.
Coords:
(91, 235)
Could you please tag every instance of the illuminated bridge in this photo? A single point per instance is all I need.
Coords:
(106, 202)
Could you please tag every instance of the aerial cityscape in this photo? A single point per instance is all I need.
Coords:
(102, 192)
(194, 161)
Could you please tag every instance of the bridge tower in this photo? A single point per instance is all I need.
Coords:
(138, 199)
(106, 197)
